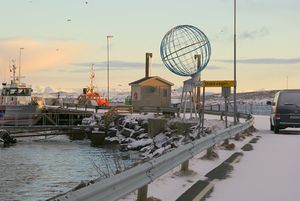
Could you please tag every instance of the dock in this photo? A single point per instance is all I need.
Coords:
(49, 120)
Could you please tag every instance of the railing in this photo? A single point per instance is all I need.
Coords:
(247, 108)
(119, 185)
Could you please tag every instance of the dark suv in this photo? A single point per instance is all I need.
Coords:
(285, 110)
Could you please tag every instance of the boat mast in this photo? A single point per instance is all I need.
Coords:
(19, 77)
(92, 77)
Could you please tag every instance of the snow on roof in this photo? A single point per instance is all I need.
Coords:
(140, 81)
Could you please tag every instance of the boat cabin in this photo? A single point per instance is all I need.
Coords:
(15, 95)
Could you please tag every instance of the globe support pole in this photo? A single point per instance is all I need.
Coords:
(198, 59)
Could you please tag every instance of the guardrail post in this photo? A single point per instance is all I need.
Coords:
(226, 142)
(142, 193)
(185, 166)
(210, 154)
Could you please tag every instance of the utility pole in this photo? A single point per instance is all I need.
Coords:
(108, 37)
(234, 63)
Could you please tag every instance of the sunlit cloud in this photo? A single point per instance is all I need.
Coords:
(39, 54)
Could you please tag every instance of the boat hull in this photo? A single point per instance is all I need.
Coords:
(19, 115)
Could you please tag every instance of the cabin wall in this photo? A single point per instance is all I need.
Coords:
(151, 94)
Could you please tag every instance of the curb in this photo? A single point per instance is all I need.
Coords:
(202, 188)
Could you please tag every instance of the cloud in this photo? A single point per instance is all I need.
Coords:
(121, 65)
(213, 67)
(117, 64)
(264, 61)
(251, 35)
(114, 65)
(226, 34)
(39, 54)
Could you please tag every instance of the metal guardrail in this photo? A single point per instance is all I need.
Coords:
(119, 185)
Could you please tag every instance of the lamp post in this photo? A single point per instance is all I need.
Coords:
(108, 37)
(19, 77)
(234, 63)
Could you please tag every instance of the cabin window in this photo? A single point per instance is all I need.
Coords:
(24, 92)
(13, 92)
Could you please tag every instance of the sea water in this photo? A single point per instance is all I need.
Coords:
(40, 168)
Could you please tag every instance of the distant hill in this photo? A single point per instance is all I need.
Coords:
(260, 97)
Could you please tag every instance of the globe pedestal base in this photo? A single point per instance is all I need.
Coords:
(189, 97)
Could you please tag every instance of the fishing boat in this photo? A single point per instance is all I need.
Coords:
(17, 106)
(90, 97)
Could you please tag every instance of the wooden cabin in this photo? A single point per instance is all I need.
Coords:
(150, 91)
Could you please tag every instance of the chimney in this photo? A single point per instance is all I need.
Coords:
(148, 56)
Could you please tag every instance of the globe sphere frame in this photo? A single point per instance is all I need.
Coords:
(179, 47)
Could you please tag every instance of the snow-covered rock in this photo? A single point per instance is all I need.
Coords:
(140, 143)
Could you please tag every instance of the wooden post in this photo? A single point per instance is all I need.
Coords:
(185, 166)
(142, 193)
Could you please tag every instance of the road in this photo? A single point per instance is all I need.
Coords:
(270, 172)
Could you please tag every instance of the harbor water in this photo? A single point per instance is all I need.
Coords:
(39, 168)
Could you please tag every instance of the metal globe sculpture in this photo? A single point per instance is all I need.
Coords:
(179, 47)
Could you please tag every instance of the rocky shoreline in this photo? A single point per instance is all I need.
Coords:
(135, 132)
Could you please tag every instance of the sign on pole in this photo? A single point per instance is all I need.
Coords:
(217, 83)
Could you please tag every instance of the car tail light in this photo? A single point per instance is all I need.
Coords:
(277, 116)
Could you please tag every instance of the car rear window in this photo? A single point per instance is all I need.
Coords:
(289, 98)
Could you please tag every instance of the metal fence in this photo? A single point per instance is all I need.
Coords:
(247, 108)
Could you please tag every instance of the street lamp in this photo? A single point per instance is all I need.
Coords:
(19, 78)
(234, 63)
(108, 37)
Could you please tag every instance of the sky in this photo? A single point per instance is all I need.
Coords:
(63, 38)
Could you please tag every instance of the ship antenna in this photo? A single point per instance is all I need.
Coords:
(13, 70)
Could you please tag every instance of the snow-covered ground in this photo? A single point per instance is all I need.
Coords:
(269, 172)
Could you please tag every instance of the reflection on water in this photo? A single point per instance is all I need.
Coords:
(38, 168)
